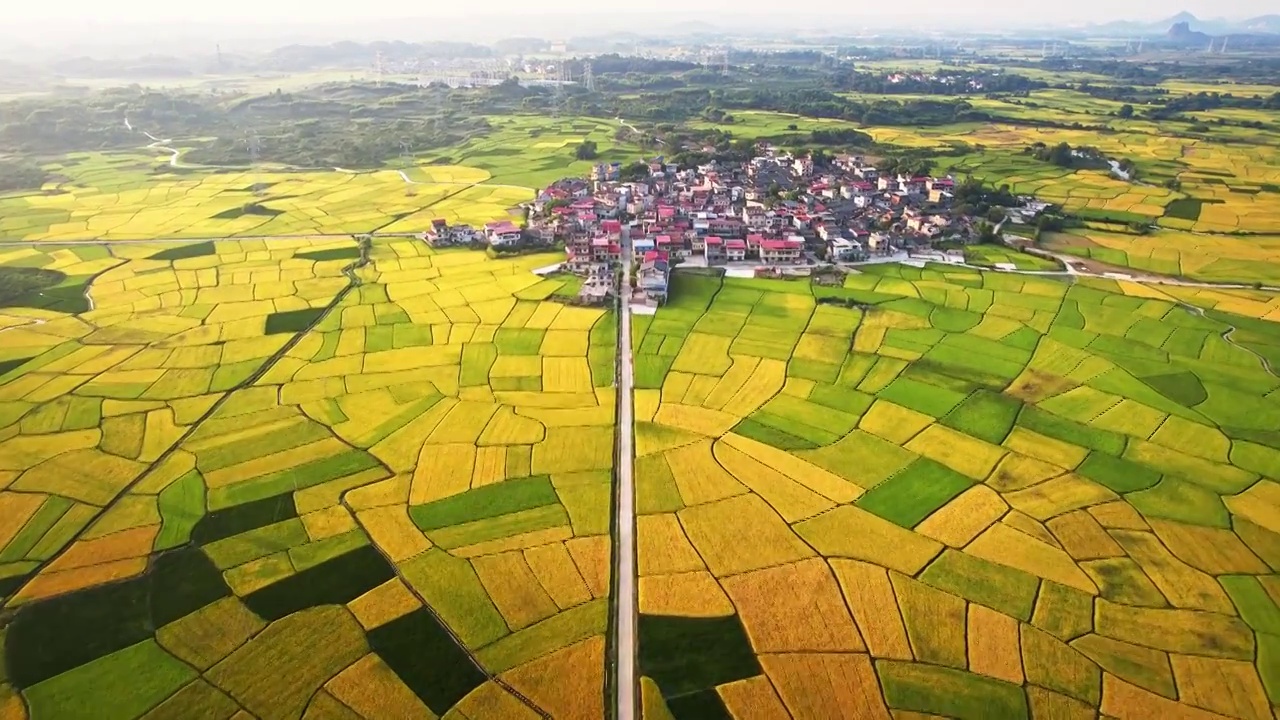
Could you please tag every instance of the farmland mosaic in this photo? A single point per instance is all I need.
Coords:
(935, 492)
(289, 480)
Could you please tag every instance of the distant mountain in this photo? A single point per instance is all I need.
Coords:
(1182, 18)
(1180, 33)
(1264, 24)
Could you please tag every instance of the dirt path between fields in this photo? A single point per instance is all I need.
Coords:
(1227, 336)
(637, 130)
(31, 322)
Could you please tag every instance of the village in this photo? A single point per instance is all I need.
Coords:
(778, 214)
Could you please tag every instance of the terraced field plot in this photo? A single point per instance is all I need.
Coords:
(1209, 258)
(534, 151)
(389, 500)
(129, 196)
(993, 255)
(978, 496)
(1226, 186)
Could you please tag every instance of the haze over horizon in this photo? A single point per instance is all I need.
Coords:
(998, 12)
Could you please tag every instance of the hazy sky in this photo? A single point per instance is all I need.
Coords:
(321, 11)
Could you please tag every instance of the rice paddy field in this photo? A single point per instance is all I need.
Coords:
(1209, 258)
(760, 124)
(941, 492)
(137, 196)
(991, 256)
(534, 151)
(272, 480)
(1229, 178)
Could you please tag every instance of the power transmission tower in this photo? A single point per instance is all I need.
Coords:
(378, 67)
(724, 62)
(558, 89)
(588, 78)
(1224, 45)
(406, 157)
(255, 152)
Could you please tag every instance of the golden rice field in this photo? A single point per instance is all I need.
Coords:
(261, 480)
(1236, 181)
(978, 495)
(1209, 258)
(119, 197)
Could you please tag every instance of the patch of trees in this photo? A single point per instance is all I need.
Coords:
(587, 150)
(21, 175)
(1063, 155)
(1203, 101)
(840, 136)
(781, 57)
(913, 166)
(343, 124)
(615, 64)
(942, 83)
(972, 197)
(688, 103)
(18, 283)
(634, 172)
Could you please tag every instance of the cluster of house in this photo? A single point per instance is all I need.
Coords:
(778, 209)
(495, 234)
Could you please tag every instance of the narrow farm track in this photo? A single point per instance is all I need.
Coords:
(1227, 336)
(624, 571)
(29, 323)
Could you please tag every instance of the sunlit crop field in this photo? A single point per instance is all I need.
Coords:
(255, 477)
(977, 495)
(125, 198)
(134, 196)
(1225, 186)
(1210, 258)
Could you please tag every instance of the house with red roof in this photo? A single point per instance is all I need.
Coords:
(781, 252)
(500, 234)
(715, 250)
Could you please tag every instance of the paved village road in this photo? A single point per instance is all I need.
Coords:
(624, 622)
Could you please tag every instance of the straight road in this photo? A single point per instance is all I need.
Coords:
(624, 623)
